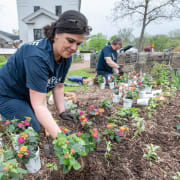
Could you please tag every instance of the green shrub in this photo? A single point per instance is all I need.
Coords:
(2, 59)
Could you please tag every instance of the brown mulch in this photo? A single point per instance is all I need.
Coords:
(126, 161)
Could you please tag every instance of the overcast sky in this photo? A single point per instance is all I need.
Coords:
(97, 12)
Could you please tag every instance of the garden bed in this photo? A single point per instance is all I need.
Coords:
(126, 160)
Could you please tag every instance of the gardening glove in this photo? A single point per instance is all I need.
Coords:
(67, 116)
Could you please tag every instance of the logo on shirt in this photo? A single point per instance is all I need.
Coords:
(113, 57)
(52, 82)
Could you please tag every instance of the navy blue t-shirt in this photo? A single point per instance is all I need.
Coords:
(107, 51)
(32, 67)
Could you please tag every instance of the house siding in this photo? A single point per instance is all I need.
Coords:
(25, 8)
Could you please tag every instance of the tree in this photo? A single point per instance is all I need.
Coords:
(175, 33)
(146, 12)
(127, 36)
(97, 42)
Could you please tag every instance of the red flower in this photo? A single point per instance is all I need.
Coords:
(78, 134)
(140, 83)
(26, 123)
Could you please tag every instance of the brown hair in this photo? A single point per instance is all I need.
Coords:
(71, 21)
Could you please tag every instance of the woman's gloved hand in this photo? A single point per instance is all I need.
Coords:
(67, 116)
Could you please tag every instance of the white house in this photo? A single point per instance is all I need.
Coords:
(33, 15)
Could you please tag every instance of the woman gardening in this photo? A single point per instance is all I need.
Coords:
(39, 67)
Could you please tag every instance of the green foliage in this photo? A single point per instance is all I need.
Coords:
(127, 36)
(176, 176)
(105, 103)
(151, 154)
(139, 124)
(100, 79)
(97, 41)
(9, 167)
(176, 79)
(161, 72)
(108, 149)
(52, 167)
(69, 148)
(3, 60)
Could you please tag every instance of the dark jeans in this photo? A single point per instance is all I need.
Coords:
(105, 74)
(18, 109)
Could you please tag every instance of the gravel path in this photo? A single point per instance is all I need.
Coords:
(84, 64)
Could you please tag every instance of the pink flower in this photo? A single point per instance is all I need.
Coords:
(95, 135)
(81, 112)
(140, 83)
(21, 139)
(27, 153)
(7, 122)
(26, 123)
(78, 134)
(121, 133)
(20, 125)
(92, 107)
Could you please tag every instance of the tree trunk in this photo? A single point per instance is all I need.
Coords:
(143, 27)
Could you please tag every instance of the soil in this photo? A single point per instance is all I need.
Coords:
(126, 161)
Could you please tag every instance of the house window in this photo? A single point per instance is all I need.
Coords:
(58, 10)
(36, 8)
(38, 34)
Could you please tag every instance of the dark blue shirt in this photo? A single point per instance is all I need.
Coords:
(32, 67)
(107, 51)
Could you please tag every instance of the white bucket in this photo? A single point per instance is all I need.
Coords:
(102, 86)
(111, 85)
(143, 102)
(67, 104)
(90, 83)
(116, 98)
(159, 91)
(148, 89)
(127, 103)
(34, 164)
(142, 94)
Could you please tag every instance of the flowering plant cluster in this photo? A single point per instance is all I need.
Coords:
(148, 80)
(27, 143)
(16, 126)
(111, 79)
(64, 129)
(9, 167)
(100, 79)
(116, 90)
(93, 110)
(116, 133)
(129, 92)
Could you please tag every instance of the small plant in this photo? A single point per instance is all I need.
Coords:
(108, 149)
(148, 80)
(151, 154)
(116, 133)
(139, 124)
(68, 149)
(17, 126)
(52, 167)
(116, 90)
(9, 167)
(105, 103)
(27, 143)
(176, 79)
(93, 110)
(100, 79)
(111, 79)
(176, 176)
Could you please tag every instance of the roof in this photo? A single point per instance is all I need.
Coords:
(9, 35)
(30, 18)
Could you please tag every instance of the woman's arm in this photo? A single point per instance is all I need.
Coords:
(39, 105)
(58, 94)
